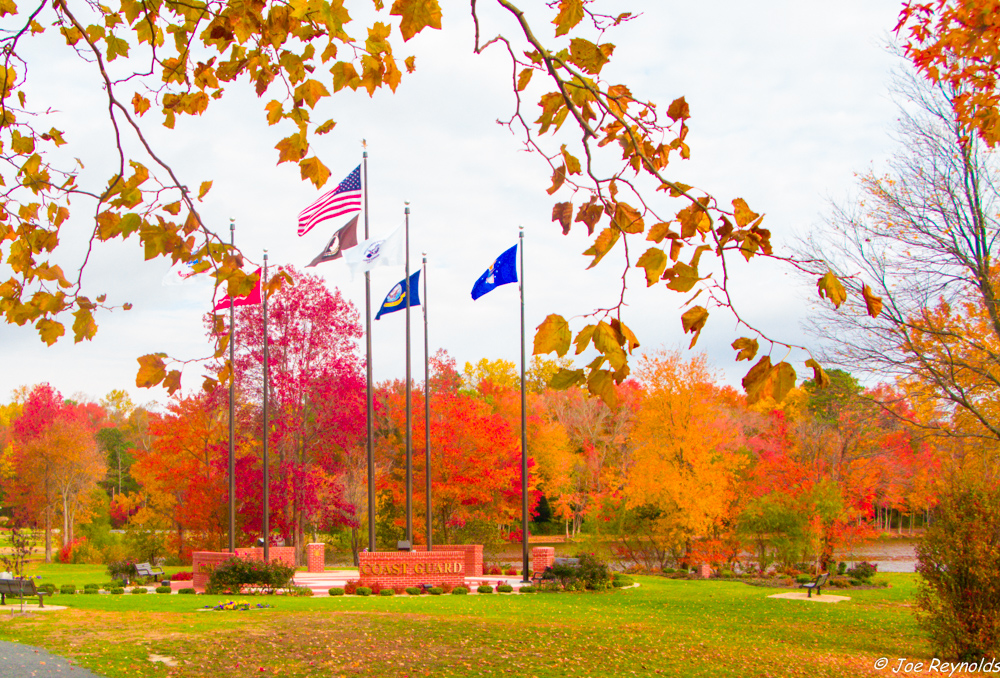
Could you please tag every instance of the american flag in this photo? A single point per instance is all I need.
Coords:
(344, 199)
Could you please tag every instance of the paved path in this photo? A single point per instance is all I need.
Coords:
(27, 661)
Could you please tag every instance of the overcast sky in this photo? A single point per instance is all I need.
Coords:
(789, 99)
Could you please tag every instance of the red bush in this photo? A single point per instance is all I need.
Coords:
(182, 576)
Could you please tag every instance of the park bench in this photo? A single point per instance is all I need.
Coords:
(816, 584)
(147, 570)
(19, 588)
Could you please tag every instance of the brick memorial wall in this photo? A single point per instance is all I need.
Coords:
(283, 554)
(542, 557)
(411, 568)
(315, 557)
(473, 555)
(204, 562)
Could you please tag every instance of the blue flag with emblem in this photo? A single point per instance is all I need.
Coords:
(500, 272)
(396, 299)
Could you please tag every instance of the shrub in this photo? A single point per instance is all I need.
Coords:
(386, 592)
(363, 591)
(235, 573)
(485, 588)
(435, 590)
(841, 567)
(67, 588)
(300, 591)
(122, 569)
(182, 576)
(376, 588)
(958, 561)
(862, 572)
(336, 591)
(621, 581)
(493, 569)
(527, 589)
(413, 590)
(351, 587)
(91, 586)
(446, 587)
(139, 590)
(187, 592)
(116, 590)
(803, 578)
(459, 591)
(163, 589)
(505, 588)
(90, 591)
(399, 590)
(510, 572)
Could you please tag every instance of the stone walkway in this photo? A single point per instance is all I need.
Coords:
(26, 661)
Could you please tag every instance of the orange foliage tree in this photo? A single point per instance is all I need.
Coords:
(687, 455)
(55, 461)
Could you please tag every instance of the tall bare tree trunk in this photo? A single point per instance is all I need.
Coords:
(48, 534)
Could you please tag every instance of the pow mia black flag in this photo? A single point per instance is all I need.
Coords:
(344, 239)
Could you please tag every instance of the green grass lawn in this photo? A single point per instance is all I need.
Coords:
(664, 627)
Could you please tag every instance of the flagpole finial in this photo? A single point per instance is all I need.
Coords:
(232, 224)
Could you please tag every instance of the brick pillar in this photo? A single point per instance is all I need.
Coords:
(316, 557)
(705, 571)
(542, 557)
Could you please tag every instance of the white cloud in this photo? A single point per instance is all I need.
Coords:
(788, 99)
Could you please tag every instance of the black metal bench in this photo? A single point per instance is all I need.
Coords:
(147, 570)
(20, 588)
(547, 574)
(816, 584)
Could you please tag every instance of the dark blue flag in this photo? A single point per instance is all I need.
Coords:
(396, 299)
(500, 272)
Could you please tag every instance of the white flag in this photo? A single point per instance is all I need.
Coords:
(387, 251)
(183, 273)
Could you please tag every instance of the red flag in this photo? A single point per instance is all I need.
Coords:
(246, 300)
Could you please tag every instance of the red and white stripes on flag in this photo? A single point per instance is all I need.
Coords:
(344, 199)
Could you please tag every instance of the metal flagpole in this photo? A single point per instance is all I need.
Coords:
(232, 410)
(409, 397)
(267, 517)
(427, 415)
(370, 394)
(525, 575)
